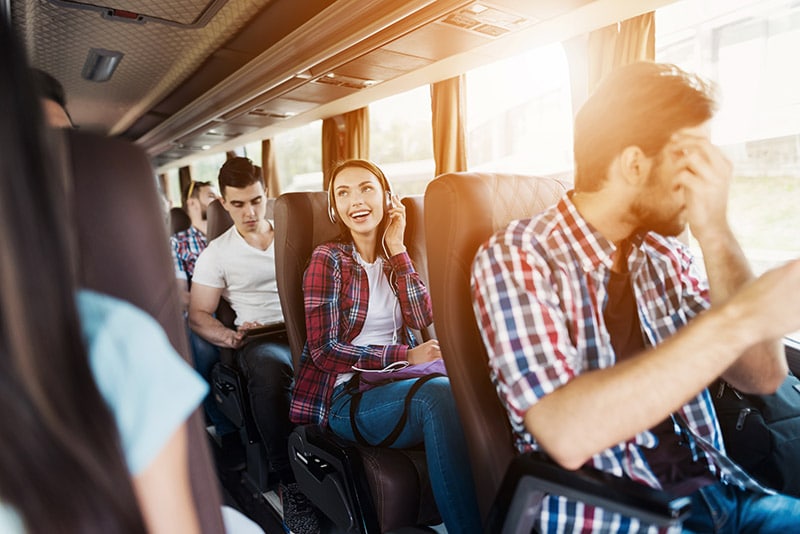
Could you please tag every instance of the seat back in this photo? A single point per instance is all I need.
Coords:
(178, 220)
(462, 211)
(301, 223)
(415, 244)
(114, 191)
(219, 220)
(415, 233)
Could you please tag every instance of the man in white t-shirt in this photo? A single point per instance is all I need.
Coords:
(239, 266)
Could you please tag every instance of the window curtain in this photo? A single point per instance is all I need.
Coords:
(594, 55)
(331, 147)
(184, 179)
(163, 184)
(447, 121)
(269, 168)
(344, 136)
(619, 44)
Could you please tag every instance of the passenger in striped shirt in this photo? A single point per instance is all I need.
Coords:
(602, 334)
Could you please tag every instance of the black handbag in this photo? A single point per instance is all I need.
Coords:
(762, 432)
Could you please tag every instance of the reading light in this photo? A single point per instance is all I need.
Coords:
(100, 64)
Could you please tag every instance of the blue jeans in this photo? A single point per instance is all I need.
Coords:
(432, 421)
(725, 508)
(205, 355)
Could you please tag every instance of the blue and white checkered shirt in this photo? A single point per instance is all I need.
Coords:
(186, 247)
(539, 290)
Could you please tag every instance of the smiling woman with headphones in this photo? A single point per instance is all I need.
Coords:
(362, 296)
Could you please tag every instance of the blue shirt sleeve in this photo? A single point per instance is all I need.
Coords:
(148, 387)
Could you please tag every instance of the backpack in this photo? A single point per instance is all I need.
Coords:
(762, 432)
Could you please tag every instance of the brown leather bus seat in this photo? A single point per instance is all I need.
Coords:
(219, 220)
(415, 244)
(361, 489)
(462, 210)
(123, 251)
(178, 220)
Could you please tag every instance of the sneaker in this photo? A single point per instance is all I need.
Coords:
(299, 515)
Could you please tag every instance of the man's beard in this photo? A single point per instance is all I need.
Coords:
(652, 222)
(655, 220)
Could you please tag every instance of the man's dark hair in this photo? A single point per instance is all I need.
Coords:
(641, 104)
(239, 173)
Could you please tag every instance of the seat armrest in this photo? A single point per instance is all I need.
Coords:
(533, 474)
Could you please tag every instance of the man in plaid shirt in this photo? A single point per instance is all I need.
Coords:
(188, 244)
(186, 248)
(579, 309)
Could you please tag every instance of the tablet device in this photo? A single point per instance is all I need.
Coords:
(267, 330)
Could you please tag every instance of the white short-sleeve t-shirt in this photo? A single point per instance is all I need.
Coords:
(245, 274)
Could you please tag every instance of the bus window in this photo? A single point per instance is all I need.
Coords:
(206, 169)
(173, 187)
(519, 114)
(298, 153)
(401, 139)
(747, 52)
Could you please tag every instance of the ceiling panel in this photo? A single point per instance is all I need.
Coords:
(180, 11)
(436, 41)
(381, 65)
(157, 57)
(540, 9)
(319, 92)
(273, 111)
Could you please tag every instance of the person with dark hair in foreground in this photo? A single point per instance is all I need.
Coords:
(603, 336)
(93, 440)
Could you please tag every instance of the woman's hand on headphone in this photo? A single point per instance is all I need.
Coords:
(395, 229)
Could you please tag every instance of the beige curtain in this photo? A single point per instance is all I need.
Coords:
(270, 169)
(163, 183)
(356, 134)
(331, 147)
(593, 56)
(344, 137)
(184, 179)
(620, 44)
(447, 121)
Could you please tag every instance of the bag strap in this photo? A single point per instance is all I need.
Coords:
(355, 400)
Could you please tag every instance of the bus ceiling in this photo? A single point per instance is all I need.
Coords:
(189, 75)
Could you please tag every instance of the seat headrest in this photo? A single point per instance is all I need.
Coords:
(123, 251)
(178, 220)
(301, 223)
(462, 210)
